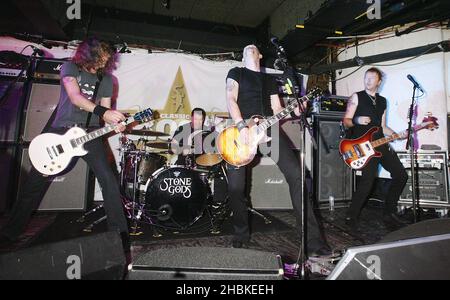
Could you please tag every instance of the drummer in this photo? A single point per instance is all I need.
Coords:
(188, 140)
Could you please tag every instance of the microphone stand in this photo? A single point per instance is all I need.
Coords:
(304, 126)
(410, 146)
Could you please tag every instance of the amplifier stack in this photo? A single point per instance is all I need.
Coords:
(432, 179)
(24, 113)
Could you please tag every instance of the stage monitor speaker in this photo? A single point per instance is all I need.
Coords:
(268, 189)
(68, 192)
(97, 257)
(6, 168)
(43, 100)
(418, 252)
(332, 177)
(9, 109)
(207, 264)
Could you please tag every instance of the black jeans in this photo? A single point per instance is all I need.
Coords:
(37, 185)
(290, 166)
(392, 164)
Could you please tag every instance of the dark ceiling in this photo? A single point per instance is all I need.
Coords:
(209, 26)
(343, 15)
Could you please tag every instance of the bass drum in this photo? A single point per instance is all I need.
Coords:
(177, 197)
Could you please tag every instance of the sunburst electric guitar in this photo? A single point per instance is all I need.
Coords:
(238, 154)
(357, 153)
(51, 153)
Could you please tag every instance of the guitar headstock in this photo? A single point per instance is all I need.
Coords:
(144, 116)
(314, 93)
(430, 122)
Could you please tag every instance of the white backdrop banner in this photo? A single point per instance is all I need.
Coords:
(172, 84)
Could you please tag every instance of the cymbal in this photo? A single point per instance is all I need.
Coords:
(169, 152)
(159, 145)
(209, 160)
(147, 133)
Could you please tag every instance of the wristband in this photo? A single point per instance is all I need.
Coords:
(100, 111)
(241, 125)
(355, 121)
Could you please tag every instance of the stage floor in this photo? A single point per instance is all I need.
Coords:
(279, 237)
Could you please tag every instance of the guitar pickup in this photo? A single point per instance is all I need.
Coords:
(60, 149)
(348, 155)
(358, 151)
(49, 152)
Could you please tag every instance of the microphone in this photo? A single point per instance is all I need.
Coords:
(274, 40)
(416, 84)
(39, 52)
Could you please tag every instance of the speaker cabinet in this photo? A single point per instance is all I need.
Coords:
(268, 188)
(43, 100)
(97, 257)
(207, 264)
(417, 252)
(9, 110)
(68, 192)
(333, 178)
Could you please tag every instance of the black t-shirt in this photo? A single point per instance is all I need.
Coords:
(367, 109)
(187, 137)
(68, 114)
(255, 89)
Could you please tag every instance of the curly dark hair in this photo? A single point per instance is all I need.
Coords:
(92, 51)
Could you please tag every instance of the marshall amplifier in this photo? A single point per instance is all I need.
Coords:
(42, 101)
(48, 69)
(68, 192)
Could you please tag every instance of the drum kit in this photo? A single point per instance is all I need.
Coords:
(168, 196)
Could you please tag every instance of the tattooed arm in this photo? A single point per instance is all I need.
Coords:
(352, 105)
(232, 100)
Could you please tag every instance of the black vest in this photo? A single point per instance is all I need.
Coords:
(366, 108)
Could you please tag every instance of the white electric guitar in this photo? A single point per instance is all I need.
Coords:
(51, 153)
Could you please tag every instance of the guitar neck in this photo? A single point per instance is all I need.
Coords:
(100, 132)
(281, 115)
(394, 137)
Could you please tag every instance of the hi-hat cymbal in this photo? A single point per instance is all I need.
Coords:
(147, 133)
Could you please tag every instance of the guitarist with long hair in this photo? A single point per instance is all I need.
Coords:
(249, 93)
(367, 109)
(86, 75)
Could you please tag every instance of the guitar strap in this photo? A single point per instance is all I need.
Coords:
(97, 86)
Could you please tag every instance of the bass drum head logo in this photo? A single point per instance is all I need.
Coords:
(177, 185)
(181, 193)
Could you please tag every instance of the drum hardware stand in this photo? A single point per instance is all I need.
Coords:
(82, 219)
(257, 213)
(90, 227)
